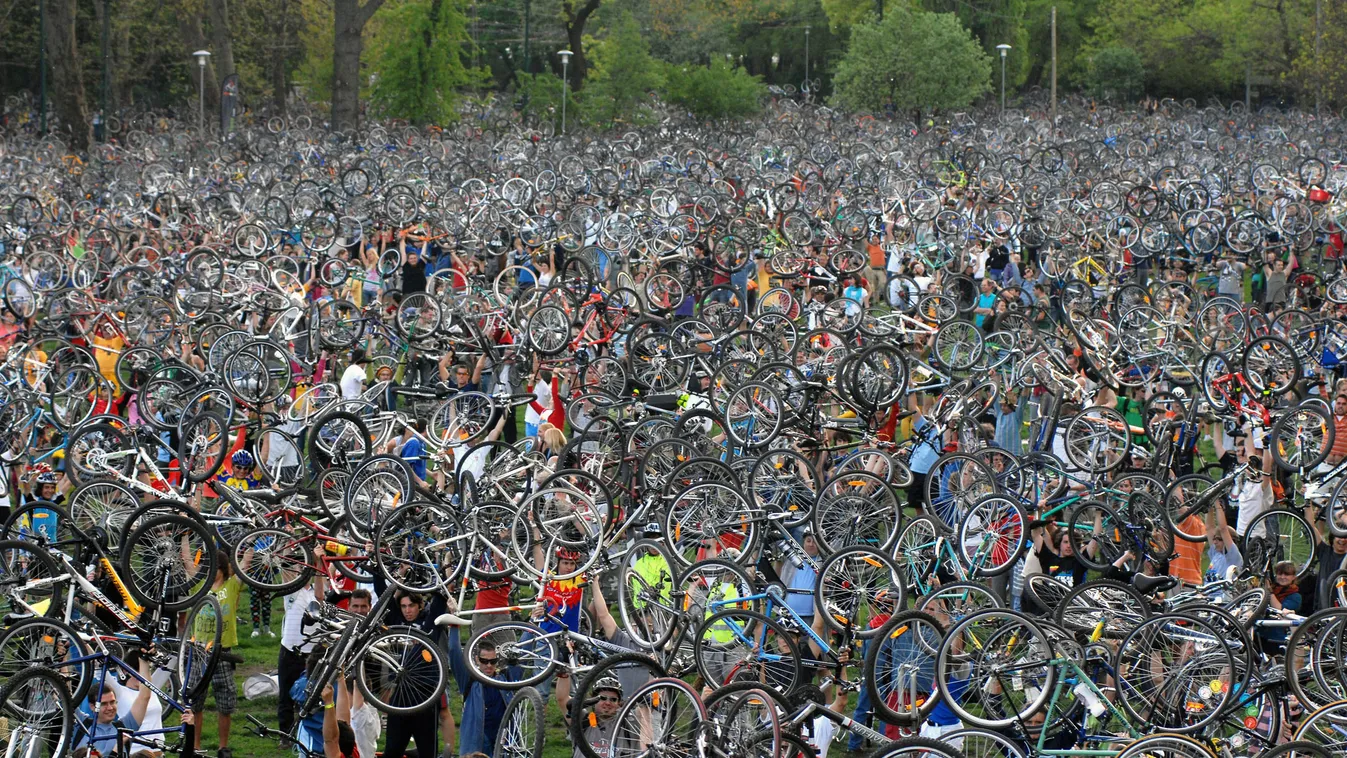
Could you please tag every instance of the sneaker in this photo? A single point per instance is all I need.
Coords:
(256, 633)
(270, 633)
(225, 753)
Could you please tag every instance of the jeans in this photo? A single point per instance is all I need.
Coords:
(864, 710)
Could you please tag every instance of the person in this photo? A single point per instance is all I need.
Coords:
(924, 455)
(1283, 595)
(339, 740)
(461, 378)
(353, 378)
(801, 576)
(483, 705)
(600, 722)
(1252, 493)
(410, 609)
(1231, 277)
(1338, 452)
(1009, 412)
(129, 693)
(226, 587)
(413, 267)
(1222, 553)
(1055, 552)
(1328, 556)
(101, 731)
(985, 305)
(296, 645)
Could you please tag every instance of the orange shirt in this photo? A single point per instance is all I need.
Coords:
(1187, 566)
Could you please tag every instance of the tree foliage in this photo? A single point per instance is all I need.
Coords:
(715, 91)
(1116, 73)
(622, 76)
(416, 60)
(912, 59)
(539, 96)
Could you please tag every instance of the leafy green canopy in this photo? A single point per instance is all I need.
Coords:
(715, 91)
(914, 59)
(622, 76)
(416, 59)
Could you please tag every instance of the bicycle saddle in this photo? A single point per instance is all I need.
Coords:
(1149, 585)
(449, 619)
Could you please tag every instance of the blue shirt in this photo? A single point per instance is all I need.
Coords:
(927, 451)
(800, 596)
(311, 728)
(985, 300)
(942, 714)
(414, 453)
(104, 736)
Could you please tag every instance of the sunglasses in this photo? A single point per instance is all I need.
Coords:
(487, 661)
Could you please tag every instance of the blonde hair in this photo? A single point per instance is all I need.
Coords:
(551, 436)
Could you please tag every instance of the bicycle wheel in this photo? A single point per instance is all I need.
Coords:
(900, 667)
(418, 548)
(1186, 503)
(915, 549)
(401, 671)
(338, 435)
(856, 586)
(991, 536)
(202, 445)
(1302, 438)
(40, 713)
(857, 508)
(1005, 656)
(1165, 746)
(523, 727)
(276, 561)
(525, 655)
(753, 415)
(51, 644)
(1313, 659)
(706, 516)
(1165, 668)
(1093, 523)
(955, 482)
(664, 716)
(958, 345)
(919, 747)
(1323, 729)
(738, 645)
(168, 561)
(549, 330)
(784, 482)
(646, 580)
(199, 648)
(1102, 607)
(1279, 535)
(94, 449)
(1271, 365)
(1098, 440)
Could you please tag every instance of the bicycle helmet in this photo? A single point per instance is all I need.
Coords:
(242, 459)
(609, 683)
(43, 474)
(568, 554)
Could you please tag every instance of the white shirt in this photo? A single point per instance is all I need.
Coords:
(292, 628)
(1251, 499)
(154, 712)
(824, 729)
(280, 452)
(365, 724)
(542, 393)
(352, 381)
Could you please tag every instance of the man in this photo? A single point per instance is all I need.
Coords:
(101, 734)
(483, 705)
(296, 645)
(1328, 557)
(227, 588)
(411, 610)
(1222, 553)
(1231, 280)
(1339, 449)
(1252, 493)
(353, 378)
(600, 722)
(461, 378)
(413, 268)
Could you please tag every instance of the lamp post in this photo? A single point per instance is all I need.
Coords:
(776, 60)
(201, 57)
(565, 64)
(1004, 48)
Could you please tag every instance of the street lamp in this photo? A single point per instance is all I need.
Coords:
(201, 57)
(565, 64)
(1004, 48)
(806, 58)
(776, 60)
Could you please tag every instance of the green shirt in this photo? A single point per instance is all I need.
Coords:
(228, 595)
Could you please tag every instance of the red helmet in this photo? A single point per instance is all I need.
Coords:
(568, 554)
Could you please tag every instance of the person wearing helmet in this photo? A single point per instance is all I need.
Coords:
(242, 472)
(599, 722)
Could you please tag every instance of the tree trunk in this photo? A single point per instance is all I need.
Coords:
(349, 18)
(575, 35)
(67, 73)
(222, 40)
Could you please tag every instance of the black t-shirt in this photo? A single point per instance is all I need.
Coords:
(1066, 569)
(1327, 562)
(997, 258)
(413, 277)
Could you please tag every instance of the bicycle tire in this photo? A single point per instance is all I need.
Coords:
(162, 536)
(852, 594)
(523, 727)
(199, 648)
(384, 662)
(34, 642)
(623, 667)
(285, 556)
(900, 640)
(717, 632)
(54, 714)
(508, 635)
(637, 592)
(1289, 437)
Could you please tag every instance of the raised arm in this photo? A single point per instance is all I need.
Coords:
(142, 701)
(331, 732)
(599, 607)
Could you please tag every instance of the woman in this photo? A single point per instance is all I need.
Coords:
(1283, 595)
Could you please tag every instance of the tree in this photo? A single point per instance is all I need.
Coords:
(1116, 73)
(539, 96)
(715, 91)
(416, 58)
(623, 76)
(67, 73)
(349, 18)
(574, 18)
(914, 59)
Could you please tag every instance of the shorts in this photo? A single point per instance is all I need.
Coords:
(225, 688)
